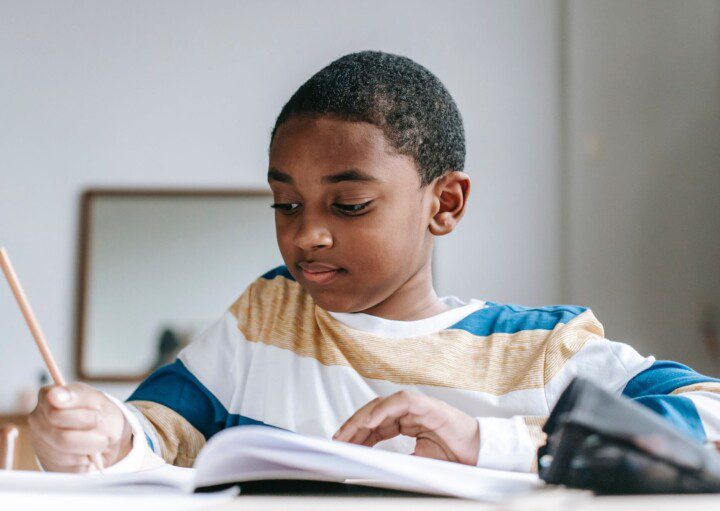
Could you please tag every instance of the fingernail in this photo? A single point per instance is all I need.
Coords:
(62, 396)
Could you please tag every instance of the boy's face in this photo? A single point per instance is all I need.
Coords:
(351, 216)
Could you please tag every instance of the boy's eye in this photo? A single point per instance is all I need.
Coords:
(351, 209)
(286, 208)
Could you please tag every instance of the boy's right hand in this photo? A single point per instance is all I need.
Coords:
(72, 422)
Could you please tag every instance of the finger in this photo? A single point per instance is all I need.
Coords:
(82, 419)
(60, 397)
(409, 425)
(75, 395)
(55, 460)
(76, 442)
(52, 466)
(43, 403)
(373, 439)
(38, 422)
(360, 435)
(350, 427)
(385, 431)
(391, 427)
(409, 414)
(380, 422)
(429, 448)
(359, 427)
(397, 405)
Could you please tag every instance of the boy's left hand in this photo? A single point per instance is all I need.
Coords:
(441, 431)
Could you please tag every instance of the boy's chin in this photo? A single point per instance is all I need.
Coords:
(332, 302)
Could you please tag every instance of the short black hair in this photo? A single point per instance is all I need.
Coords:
(412, 107)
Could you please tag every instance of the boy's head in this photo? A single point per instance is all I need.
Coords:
(366, 163)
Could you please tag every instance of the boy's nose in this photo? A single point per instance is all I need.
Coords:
(312, 237)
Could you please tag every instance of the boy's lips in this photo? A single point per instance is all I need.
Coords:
(319, 273)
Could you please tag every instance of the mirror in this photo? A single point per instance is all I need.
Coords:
(158, 266)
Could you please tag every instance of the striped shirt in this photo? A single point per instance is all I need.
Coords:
(277, 358)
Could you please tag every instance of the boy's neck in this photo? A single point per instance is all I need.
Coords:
(415, 299)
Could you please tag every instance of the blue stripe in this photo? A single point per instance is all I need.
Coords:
(150, 442)
(651, 387)
(178, 389)
(663, 377)
(280, 271)
(679, 411)
(497, 318)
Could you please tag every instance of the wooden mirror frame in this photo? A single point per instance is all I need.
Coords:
(83, 268)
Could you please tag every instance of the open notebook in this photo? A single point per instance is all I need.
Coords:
(257, 453)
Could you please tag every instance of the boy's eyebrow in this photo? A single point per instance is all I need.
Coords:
(349, 175)
(276, 175)
(346, 175)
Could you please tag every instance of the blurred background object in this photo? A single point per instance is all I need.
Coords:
(168, 347)
(157, 266)
(593, 135)
(28, 396)
(8, 438)
(16, 451)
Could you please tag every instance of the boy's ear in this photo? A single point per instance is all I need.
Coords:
(450, 195)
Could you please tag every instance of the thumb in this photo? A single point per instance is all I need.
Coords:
(61, 397)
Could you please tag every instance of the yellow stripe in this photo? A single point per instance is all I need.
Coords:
(696, 387)
(535, 424)
(180, 442)
(280, 313)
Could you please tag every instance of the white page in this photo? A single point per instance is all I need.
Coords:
(166, 478)
(233, 454)
(107, 501)
(259, 452)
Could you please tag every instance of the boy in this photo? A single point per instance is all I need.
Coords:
(348, 339)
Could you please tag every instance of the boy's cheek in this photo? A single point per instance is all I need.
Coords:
(377, 256)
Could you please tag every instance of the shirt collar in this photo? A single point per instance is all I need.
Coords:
(394, 328)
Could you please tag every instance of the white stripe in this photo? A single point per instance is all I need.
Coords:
(278, 387)
(147, 427)
(607, 363)
(279, 373)
(212, 357)
(708, 408)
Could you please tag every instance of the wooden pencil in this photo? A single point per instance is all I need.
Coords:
(36, 332)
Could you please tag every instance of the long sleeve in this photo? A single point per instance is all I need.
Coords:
(575, 348)
(688, 400)
(180, 405)
(510, 443)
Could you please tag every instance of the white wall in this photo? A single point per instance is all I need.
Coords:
(644, 170)
(185, 93)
